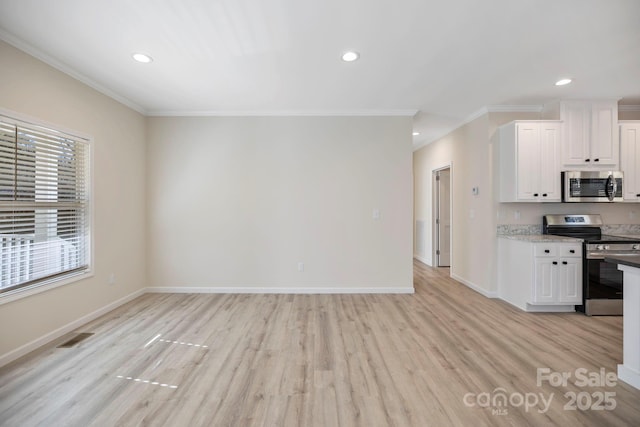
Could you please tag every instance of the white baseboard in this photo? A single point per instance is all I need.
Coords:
(37, 343)
(422, 260)
(278, 290)
(629, 376)
(550, 308)
(482, 291)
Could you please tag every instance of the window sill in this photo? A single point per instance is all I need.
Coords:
(18, 294)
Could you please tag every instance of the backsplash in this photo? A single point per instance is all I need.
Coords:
(520, 229)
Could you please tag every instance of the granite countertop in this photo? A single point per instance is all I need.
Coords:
(540, 238)
(630, 260)
(628, 236)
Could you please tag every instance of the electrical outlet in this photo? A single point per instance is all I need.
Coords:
(112, 279)
(301, 266)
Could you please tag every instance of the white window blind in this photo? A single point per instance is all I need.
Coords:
(44, 204)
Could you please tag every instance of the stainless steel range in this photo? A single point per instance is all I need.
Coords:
(601, 281)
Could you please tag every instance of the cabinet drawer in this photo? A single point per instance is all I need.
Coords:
(545, 250)
(571, 251)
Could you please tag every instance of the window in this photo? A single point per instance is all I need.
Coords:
(44, 204)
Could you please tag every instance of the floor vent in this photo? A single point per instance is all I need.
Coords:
(76, 339)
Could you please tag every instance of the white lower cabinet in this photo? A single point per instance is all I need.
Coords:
(540, 276)
(556, 281)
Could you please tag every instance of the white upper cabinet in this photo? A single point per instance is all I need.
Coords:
(590, 134)
(604, 133)
(530, 161)
(576, 141)
(630, 159)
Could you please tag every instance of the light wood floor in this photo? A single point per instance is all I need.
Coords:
(319, 360)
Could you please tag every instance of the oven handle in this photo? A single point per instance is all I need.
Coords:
(602, 256)
(611, 188)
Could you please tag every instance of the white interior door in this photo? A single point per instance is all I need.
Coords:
(443, 221)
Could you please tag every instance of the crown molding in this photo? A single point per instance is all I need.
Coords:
(476, 114)
(628, 107)
(38, 54)
(281, 113)
(479, 113)
(514, 108)
(47, 59)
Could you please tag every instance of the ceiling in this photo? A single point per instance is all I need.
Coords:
(443, 60)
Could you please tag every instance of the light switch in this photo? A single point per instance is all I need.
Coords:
(376, 213)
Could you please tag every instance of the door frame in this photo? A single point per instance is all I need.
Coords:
(434, 215)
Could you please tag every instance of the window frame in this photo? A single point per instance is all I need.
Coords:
(67, 278)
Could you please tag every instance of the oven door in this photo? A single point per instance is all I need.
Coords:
(592, 186)
(602, 291)
(604, 280)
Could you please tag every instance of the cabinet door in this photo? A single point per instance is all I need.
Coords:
(604, 134)
(570, 280)
(546, 277)
(576, 117)
(549, 173)
(528, 160)
(630, 160)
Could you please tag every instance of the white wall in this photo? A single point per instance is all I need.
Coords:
(29, 87)
(468, 151)
(438, 156)
(239, 202)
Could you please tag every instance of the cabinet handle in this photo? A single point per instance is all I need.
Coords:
(573, 251)
(544, 194)
(596, 160)
(587, 160)
(564, 262)
(637, 195)
(546, 251)
(535, 194)
(555, 263)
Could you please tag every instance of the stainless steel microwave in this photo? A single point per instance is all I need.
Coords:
(592, 186)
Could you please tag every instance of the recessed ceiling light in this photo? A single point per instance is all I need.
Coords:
(416, 133)
(350, 56)
(563, 82)
(141, 57)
